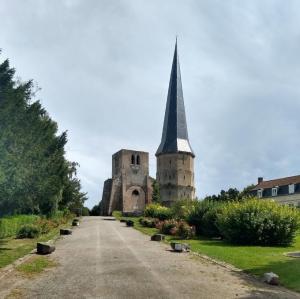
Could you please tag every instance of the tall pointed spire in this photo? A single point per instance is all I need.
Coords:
(175, 135)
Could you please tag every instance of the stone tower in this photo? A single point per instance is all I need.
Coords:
(175, 157)
(130, 187)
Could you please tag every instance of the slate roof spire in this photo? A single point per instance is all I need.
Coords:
(175, 135)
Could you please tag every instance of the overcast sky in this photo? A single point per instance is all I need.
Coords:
(104, 66)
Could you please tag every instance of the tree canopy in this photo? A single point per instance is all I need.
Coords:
(35, 176)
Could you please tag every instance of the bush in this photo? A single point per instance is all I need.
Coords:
(28, 231)
(195, 216)
(208, 225)
(168, 227)
(176, 228)
(9, 226)
(148, 222)
(258, 222)
(45, 225)
(182, 208)
(157, 211)
(185, 231)
(85, 211)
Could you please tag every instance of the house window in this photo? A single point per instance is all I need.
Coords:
(138, 160)
(274, 191)
(260, 193)
(291, 188)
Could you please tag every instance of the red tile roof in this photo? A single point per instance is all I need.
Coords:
(278, 182)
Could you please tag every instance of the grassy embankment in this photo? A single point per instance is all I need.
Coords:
(255, 260)
(11, 248)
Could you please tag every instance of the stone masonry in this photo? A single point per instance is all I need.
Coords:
(130, 187)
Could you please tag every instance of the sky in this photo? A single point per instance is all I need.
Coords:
(103, 68)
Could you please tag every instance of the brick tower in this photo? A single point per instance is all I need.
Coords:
(175, 157)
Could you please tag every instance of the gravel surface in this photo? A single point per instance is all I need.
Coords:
(106, 259)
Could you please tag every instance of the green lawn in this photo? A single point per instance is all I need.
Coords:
(35, 265)
(11, 249)
(252, 259)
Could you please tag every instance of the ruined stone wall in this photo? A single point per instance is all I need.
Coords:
(130, 186)
(104, 204)
(175, 175)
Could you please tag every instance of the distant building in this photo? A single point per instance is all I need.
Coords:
(284, 190)
(175, 157)
(130, 187)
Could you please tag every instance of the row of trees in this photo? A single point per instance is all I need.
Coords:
(35, 177)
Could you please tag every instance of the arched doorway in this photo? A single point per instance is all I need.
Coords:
(134, 200)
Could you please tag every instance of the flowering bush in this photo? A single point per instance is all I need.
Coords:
(176, 228)
(158, 211)
(258, 222)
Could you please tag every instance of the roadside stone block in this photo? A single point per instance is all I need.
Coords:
(180, 247)
(75, 222)
(157, 237)
(271, 278)
(129, 223)
(44, 248)
(65, 231)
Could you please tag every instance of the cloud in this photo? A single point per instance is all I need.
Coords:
(104, 68)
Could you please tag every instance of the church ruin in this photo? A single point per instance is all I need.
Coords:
(130, 187)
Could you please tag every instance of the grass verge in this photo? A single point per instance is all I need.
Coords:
(255, 260)
(12, 249)
(35, 265)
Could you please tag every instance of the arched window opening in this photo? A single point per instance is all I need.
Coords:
(135, 193)
(132, 159)
(138, 160)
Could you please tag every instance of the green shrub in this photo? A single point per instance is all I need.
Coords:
(85, 211)
(157, 211)
(45, 225)
(258, 222)
(148, 222)
(182, 208)
(208, 225)
(195, 216)
(28, 231)
(9, 226)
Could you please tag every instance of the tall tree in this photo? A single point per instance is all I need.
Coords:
(34, 174)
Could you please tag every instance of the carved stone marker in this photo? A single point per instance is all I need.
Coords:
(180, 247)
(65, 231)
(75, 222)
(44, 248)
(157, 237)
(271, 278)
(129, 223)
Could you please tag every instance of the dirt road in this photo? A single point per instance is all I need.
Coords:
(105, 259)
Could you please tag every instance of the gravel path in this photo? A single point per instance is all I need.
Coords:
(105, 259)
